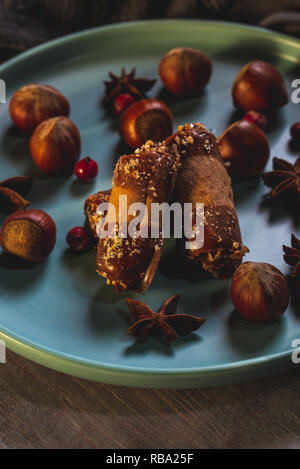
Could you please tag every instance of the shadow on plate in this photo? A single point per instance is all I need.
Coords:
(106, 294)
(295, 296)
(108, 115)
(82, 189)
(156, 345)
(249, 49)
(294, 147)
(120, 149)
(81, 266)
(220, 297)
(15, 148)
(276, 125)
(251, 338)
(46, 188)
(233, 116)
(244, 189)
(28, 273)
(99, 321)
(211, 294)
(181, 107)
(173, 266)
(280, 210)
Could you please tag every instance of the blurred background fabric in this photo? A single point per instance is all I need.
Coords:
(26, 23)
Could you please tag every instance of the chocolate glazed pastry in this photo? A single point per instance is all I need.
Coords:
(90, 210)
(147, 176)
(203, 179)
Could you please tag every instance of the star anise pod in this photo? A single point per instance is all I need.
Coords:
(292, 256)
(165, 323)
(126, 83)
(284, 179)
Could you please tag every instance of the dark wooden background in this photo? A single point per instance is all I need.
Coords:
(40, 408)
(25, 23)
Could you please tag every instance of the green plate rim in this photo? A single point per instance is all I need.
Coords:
(152, 377)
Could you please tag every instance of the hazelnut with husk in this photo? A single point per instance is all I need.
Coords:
(259, 292)
(29, 235)
(55, 146)
(185, 71)
(245, 149)
(148, 119)
(34, 103)
(259, 86)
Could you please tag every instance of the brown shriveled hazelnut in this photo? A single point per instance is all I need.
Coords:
(148, 119)
(185, 71)
(259, 86)
(10, 201)
(32, 104)
(259, 292)
(12, 193)
(55, 146)
(28, 234)
(245, 149)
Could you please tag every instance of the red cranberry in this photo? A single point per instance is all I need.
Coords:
(295, 131)
(122, 102)
(78, 239)
(86, 170)
(256, 118)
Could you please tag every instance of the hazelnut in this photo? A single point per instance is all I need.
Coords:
(148, 119)
(185, 71)
(245, 149)
(259, 86)
(259, 292)
(55, 146)
(32, 104)
(28, 234)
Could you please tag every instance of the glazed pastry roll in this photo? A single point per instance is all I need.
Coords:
(145, 177)
(90, 209)
(203, 178)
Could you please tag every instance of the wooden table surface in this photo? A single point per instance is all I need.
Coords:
(40, 408)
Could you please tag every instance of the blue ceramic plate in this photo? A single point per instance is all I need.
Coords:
(60, 313)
